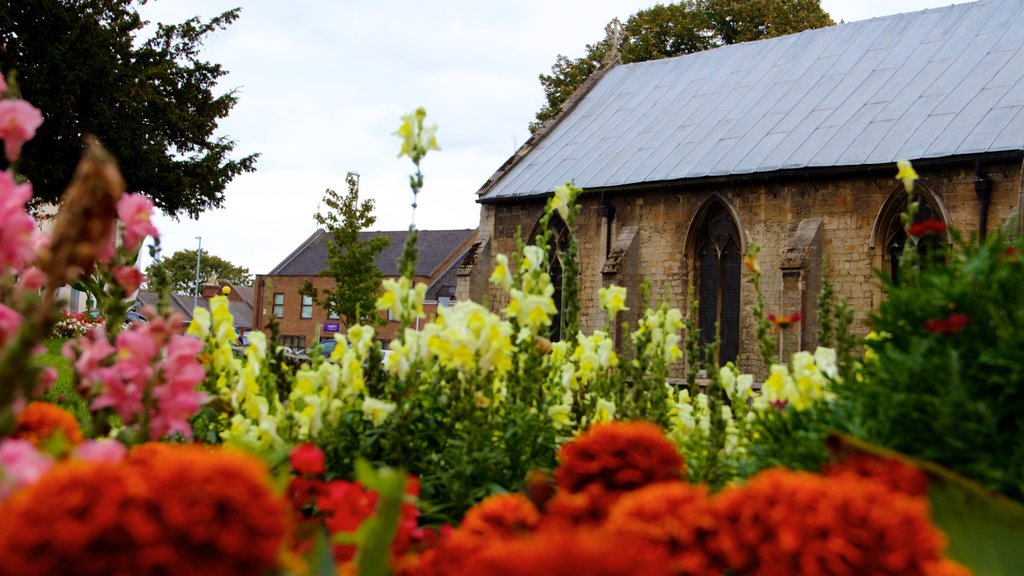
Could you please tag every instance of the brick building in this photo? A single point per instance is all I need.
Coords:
(789, 142)
(303, 323)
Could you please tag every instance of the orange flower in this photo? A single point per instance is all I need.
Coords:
(81, 518)
(783, 522)
(618, 456)
(576, 552)
(40, 421)
(785, 321)
(164, 510)
(587, 507)
(493, 521)
(898, 476)
(675, 515)
(216, 510)
(503, 516)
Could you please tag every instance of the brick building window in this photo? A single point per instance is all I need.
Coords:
(306, 312)
(718, 261)
(293, 342)
(278, 305)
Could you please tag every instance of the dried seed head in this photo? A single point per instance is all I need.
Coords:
(84, 230)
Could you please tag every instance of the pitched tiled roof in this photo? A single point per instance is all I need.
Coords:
(246, 293)
(436, 248)
(183, 304)
(937, 83)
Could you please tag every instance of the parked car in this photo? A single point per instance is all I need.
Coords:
(326, 349)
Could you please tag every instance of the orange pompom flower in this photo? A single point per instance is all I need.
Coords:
(503, 516)
(675, 515)
(491, 522)
(577, 552)
(41, 421)
(898, 476)
(783, 522)
(586, 507)
(618, 456)
(163, 510)
(216, 510)
(81, 518)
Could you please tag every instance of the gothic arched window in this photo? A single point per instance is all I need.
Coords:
(895, 238)
(556, 245)
(718, 261)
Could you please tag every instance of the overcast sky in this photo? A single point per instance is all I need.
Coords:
(322, 85)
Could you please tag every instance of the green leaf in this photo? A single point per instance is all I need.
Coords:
(376, 533)
(321, 562)
(985, 530)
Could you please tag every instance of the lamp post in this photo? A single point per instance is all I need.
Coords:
(199, 256)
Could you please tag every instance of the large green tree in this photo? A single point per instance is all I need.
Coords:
(666, 30)
(181, 269)
(151, 101)
(351, 261)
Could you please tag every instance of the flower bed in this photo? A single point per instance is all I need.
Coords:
(482, 446)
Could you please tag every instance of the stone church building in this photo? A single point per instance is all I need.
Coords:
(789, 142)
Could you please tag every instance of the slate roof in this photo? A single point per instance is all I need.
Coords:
(436, 248)
(241, 311)
(936, 83)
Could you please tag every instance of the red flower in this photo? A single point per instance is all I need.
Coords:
(927, 227)
(308, 459)
(347, 504)
(785, 321)
(952, 324)
(304, 492)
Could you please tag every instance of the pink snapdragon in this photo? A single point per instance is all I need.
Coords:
(105, 450)
(21, 464)
(91, 355)
(129, 277)
(31, 278)
(135, 211)
(10, 323)
(17, 229)
(18, 123)
(148, 358)
(177, 398)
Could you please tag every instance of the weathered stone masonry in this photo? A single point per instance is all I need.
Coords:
(795, 219)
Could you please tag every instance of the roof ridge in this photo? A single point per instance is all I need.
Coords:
(563, 111)
(297, 251)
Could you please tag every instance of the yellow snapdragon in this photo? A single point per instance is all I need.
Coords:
(417, 138)
(377, 411)
(403, 300)
(502, 275)
(612, 300)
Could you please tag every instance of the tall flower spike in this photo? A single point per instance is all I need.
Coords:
(906, 174)
(417, 139)
(84, 230)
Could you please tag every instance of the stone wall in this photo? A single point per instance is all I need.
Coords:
(852, 210)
